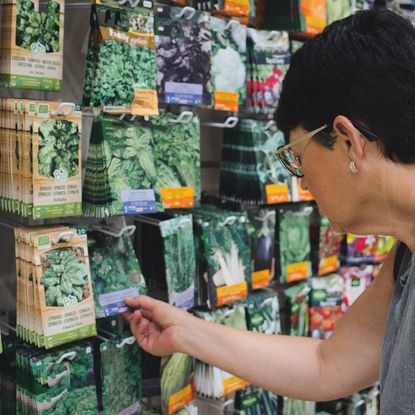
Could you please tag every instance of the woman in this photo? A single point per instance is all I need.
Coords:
(348, 106)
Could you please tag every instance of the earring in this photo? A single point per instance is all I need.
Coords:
(353, 167)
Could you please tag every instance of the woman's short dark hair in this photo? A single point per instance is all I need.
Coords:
(362, 67)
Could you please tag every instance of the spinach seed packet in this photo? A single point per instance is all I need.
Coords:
(121, 61)
(32, 44)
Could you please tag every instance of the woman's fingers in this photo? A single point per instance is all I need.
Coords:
(142, 301)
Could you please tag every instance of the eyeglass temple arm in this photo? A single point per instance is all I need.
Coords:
(305, 137)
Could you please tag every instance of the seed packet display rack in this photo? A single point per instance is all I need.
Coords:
(212, 126)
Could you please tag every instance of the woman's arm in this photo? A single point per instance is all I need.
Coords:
(297, 367)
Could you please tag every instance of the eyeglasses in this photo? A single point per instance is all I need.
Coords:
(292, 163)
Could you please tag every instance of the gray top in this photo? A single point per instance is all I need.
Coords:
(397, 375)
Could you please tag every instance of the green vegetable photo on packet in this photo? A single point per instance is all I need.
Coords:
(115, 272)
(32, 36)
(120, 72)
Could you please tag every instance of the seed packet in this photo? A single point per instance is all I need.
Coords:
(249, 171)
(210, 381)
(176, 382)
(263, 313)
(325, 305)
(115, 273)
(56, 286)
(41, 178)
(293, 243)
(356, 280)
(227, 253)
(121, 61)
(268, 56)
(179, 256)
(183, 45)
(295, 318)
(8, 367)
(228, 69)
(57, 161)
(283, 16)
(383, 247)
(261, 231)
(298, 193)
(177, 147)
(297, 407)
(253, 400)
(32, 44)
(338, 9)
(359, 249)
(329, 248)
(121, 173)
(171, 275)
(61, 381)
(119, 375)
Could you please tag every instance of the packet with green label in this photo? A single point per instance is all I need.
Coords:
(32, 35)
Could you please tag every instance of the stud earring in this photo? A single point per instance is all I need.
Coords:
(353, 167)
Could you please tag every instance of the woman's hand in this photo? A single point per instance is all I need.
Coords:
(156, 325)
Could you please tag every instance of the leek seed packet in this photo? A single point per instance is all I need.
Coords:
(228, 64)
(184, 51)
(180, 260)
(121, 60)
(249, 171)
(32, 44)
(115, 272)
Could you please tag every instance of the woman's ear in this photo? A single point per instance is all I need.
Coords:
(350, 139)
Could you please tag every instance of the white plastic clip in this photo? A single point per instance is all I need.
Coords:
(122, 2)
(271, 34)
(59, 110)
(128, 340)
(184, 118)
(230, 220)
(68, 356)
(270, 125)
(187, 12)
(134, 3)
(116, 233)
(183, 222)
(230, 122)
(232, 23)
(69, 234)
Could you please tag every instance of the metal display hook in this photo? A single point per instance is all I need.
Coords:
(187, 12)
(230, 122)
(184, 118)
